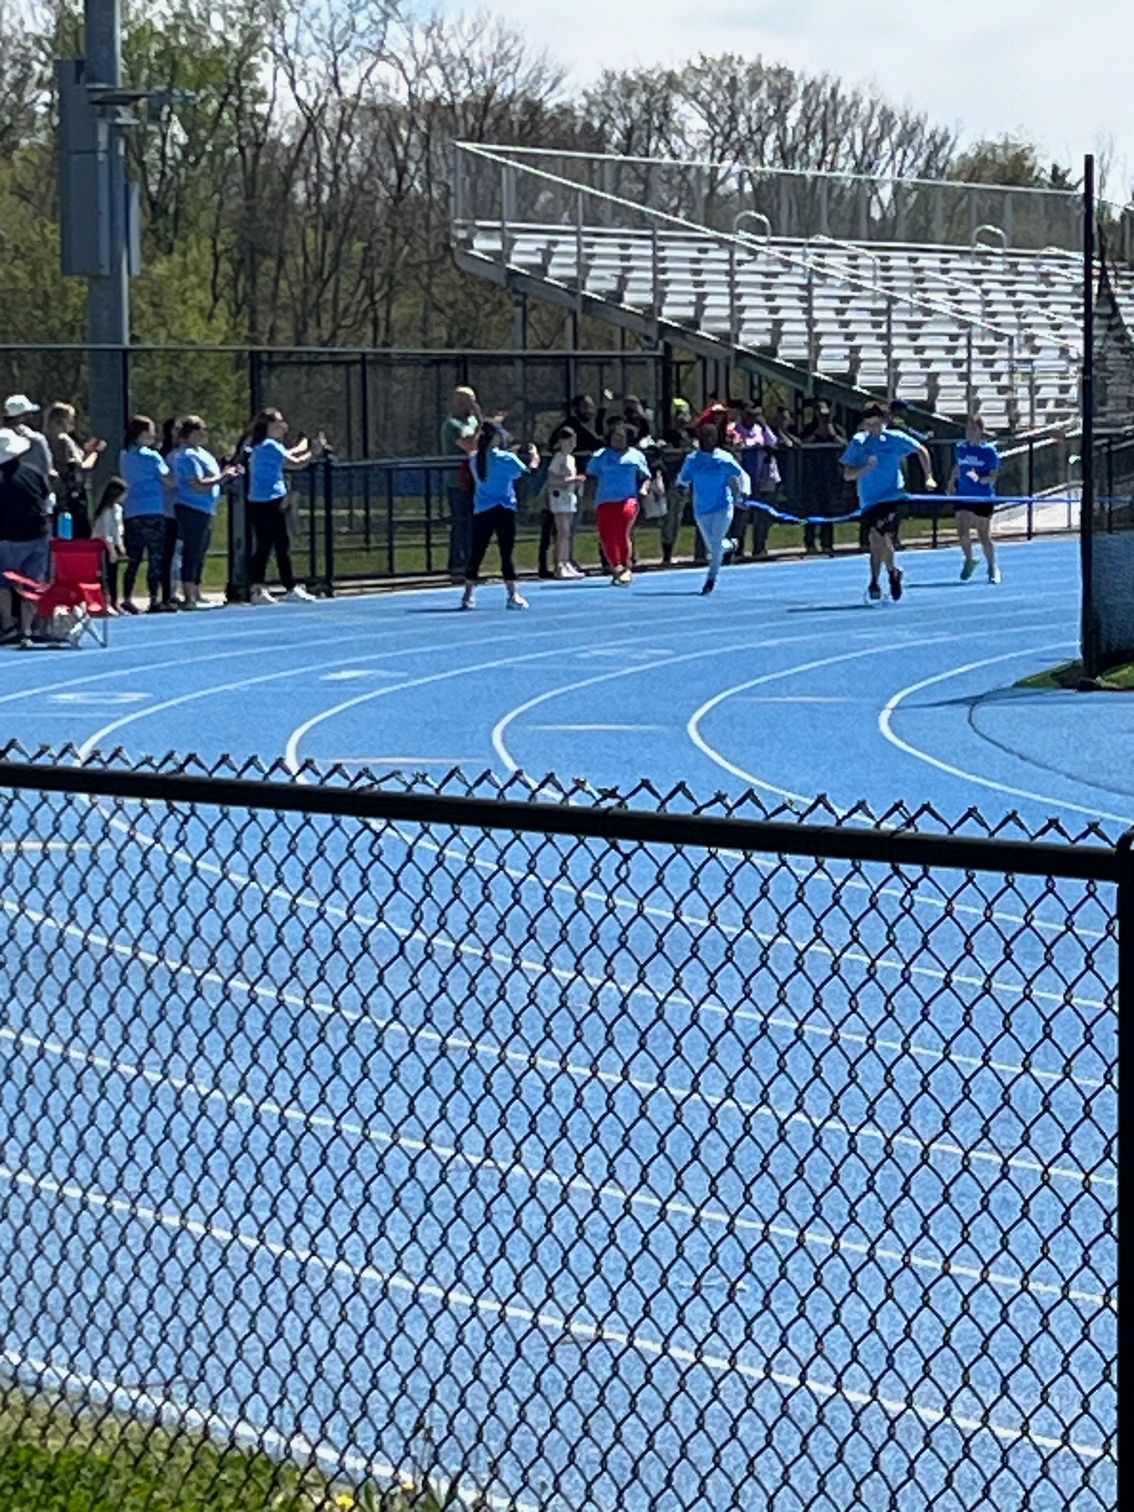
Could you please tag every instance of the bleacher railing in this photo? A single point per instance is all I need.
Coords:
(534, 1148)
(848, 207)
(498, 197)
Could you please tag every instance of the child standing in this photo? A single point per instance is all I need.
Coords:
(108, 525)
(563, 485)
(975, 469)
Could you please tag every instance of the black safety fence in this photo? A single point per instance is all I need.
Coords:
(521, 1145)
(356, 522)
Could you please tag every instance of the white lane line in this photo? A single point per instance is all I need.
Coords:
(146, 1403)
(455, 1298)
(966, 774)
(535, 1176)
(889, 1139)
(693, 727)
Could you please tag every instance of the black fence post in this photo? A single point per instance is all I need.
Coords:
(1031, 488)
(329, 520)
(1124, 1005)
(312, 528)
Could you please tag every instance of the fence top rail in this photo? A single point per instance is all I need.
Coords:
(891, 847)
(959, 185)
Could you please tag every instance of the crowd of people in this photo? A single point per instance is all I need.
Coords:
(725, 463)
(155, 512)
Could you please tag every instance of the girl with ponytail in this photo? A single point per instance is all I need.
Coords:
(495, 471)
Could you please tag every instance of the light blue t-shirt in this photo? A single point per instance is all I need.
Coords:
(973, 462)
(189, 462)
(266, 462)
(143, 469)
(710, 475)
(620, 474)
(886, 483)
(499, 484)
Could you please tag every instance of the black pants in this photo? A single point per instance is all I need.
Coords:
(546, 541)
(145, 537)
(268, 519)
(110, 580)
(500, 522)
(168, 552)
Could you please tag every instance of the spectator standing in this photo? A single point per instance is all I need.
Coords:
(108, 527)
(564, 483)
(25, 529)
(823, 441)
(145, 472)
(19, 412)
(582, 417)
(679, 437)
(495, 471)
(621, 476)
(198, 479)
(458, 439)
(717, 481)
(73, 465)
(757, 444)
(268, 462)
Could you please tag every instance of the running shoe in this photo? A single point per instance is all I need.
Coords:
(299, 595)
(468, 602)
(625, 578)
(895, 583)
(967, 570)
(708, 586)
(994, 575)
(128, 607)
(262, 596)
(874, 592)
(517, 602)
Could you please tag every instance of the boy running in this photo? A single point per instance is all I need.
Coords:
(873, 461)
(975, 470)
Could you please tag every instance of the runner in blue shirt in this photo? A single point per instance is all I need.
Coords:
(495, 471)
(717, 480)
(874, 460)
(975, 469)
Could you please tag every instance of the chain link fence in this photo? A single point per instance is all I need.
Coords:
(535, 1146)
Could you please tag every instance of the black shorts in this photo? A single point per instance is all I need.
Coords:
(882, 517)
(982, 508)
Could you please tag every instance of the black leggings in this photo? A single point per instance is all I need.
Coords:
(500, 521)
(269, 532)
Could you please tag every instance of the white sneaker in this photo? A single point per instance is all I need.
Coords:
(262, 596)
(518, 603)
(299, 595)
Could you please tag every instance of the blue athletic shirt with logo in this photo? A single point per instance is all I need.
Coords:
(620, 474)
(710, 475)
(189, 462)
(499, 484)
(886, 483)
(973, 462)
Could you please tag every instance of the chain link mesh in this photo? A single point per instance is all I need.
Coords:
(558, 1172)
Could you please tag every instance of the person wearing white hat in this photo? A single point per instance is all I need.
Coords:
(18, 410)
(25, 529)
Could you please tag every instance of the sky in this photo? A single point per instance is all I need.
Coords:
(1059, 73)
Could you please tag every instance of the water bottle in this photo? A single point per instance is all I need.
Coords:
(64, 525)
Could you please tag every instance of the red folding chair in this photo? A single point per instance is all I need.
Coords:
(73, 604)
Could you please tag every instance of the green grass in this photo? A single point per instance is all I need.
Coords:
(1070, 675)
(55, 1457)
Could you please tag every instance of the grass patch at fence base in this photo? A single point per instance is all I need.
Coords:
(58, 1457)
(1070, 675)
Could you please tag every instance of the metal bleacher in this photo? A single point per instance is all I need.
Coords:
(951, 326)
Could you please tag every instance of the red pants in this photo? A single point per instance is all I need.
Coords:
(615, 522)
